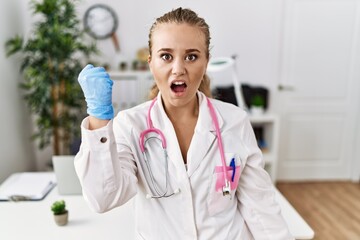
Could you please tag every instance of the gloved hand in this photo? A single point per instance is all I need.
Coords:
(97, 87)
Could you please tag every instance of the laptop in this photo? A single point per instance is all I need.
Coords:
(67, 180)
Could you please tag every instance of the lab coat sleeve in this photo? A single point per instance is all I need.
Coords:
(105, 167)
(256, 195)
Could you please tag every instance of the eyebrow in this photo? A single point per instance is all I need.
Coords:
(171, 50)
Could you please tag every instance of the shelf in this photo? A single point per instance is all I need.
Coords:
(266, 130)
(265, 118)
(130, 75)
(269, 158)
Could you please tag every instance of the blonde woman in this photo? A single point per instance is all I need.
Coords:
(191, 162)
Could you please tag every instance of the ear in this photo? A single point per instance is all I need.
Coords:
(205, 71)
(149, 63)
(207, 64)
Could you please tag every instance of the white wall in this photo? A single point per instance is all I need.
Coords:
(15, 146)
(356, 154)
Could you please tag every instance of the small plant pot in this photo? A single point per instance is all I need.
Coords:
(256, 111)
(62, 219)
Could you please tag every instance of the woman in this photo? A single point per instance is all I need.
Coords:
(175, 169)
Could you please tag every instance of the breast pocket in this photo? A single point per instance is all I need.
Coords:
(217, 202)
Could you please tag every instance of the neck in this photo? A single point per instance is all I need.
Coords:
(183, 113)
(184, 119)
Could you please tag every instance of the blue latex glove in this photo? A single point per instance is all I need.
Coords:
(97, 87)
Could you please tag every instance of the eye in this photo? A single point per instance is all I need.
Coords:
(191, 57)
(166, 57)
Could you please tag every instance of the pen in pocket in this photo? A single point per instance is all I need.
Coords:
(232, 165)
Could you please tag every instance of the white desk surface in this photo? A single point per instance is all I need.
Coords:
(34, 221)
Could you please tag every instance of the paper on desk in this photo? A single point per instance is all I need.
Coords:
(29, 185)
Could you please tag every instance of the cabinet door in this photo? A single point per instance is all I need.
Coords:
(125, 93)
(130, 88)
(319, 88)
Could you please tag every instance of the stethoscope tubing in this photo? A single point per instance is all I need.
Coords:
(142, 141)
(219, 139)
(153, 179)
(151, 129)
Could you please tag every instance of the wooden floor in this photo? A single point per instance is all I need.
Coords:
(332, 209)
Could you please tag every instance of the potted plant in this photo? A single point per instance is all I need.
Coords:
(257, 105)
(61, 215)
(50, 65)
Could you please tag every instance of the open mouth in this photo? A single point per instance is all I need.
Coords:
(178, 86)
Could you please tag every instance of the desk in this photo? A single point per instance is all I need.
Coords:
(34, 221)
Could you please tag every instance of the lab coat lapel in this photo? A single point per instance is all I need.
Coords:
(204, 136)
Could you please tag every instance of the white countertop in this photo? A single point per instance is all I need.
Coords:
(34, 220)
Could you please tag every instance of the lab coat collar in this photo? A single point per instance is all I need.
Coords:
(203, 138)
(204, 135)
(205, 123)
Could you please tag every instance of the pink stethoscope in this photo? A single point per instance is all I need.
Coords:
(156, 191)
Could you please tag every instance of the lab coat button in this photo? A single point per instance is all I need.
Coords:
(103, 139)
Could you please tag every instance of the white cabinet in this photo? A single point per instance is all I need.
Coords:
(266, 128)
(130, 88)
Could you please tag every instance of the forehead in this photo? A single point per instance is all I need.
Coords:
(175, 36)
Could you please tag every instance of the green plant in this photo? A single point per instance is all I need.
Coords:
(58, 207)
(50, 65)
(257, 101)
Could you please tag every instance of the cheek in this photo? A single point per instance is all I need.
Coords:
(198, 73)
(157, 67)
(154, 69)
(160, 74)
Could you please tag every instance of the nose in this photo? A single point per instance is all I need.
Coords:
(178, 67)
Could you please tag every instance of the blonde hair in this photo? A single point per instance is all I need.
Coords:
(184, 15)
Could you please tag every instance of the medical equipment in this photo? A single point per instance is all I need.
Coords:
(226, 187)
(221, 65)
(155, 188)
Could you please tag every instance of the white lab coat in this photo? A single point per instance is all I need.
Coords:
(112, 172)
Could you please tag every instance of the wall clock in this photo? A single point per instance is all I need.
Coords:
(101, 22)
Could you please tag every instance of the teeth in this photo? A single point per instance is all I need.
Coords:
(178, 83)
